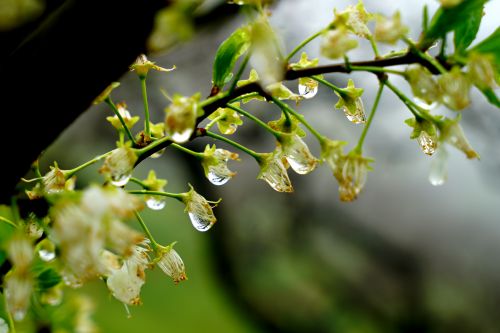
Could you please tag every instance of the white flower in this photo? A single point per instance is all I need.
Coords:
(214, 163)
(118, 166)
(274, 172)
(172, 264)
(297, 154)
(18, 286)
(199, 210)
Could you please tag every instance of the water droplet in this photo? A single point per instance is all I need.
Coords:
(120, 180)
(439, 172)
(71, 280)
(181, 137)
(158, 153)
(53, 296)
(19, 314)
(423, 104)
(427, 143)
(155, 202)
(200, 223)
(307, 92)
(46, 255)
(217, 179)
(358, 117)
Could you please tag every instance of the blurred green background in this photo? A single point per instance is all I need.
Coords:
(405, 257)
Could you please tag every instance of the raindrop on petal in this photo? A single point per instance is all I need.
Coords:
(120, 180)
(307, 92)
(359, 116)
(46, 255)
(181, 137)
(427, 143)
(217, 178)
(158, 153)
(200, 223)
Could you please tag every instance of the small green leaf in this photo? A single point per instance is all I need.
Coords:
(48, 278)
(466, 32)
(491, 96)
(491, 45)
(449, 19)
(227, 54)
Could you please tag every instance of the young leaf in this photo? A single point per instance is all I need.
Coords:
(227, 54)
(48, 278)
(449, 19)
(490, 45)
(467, 31)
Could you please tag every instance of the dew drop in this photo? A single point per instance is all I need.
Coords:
(439, 172)
(423, 104)
(307, 92)
(200, 223)
(46, 255)
(120, 180)
(359, 116)
(181, 137)
(19, 314)
(158, 153)
(217, 179)
(155, 202)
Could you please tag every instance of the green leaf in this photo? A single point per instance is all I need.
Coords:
(227, 54)
(449, 19)
(490, 45)
(466, 32)
(491, 96)
(48, 278)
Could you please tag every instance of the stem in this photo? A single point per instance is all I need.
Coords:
(139, 182)
(256, 120)
(213, 122)
(341, 91)
(70, 173)
(147, 129)
(152, 147)
(178, 196)
(374, 46)
(299, 117)
(188, 151)
(240, 72)
(117, 113)
(7, 221)
(407, 101)
(234, 144)
(303, 43)
(239, 98)
(375, 69)
(425, 56)
(359, 146)
(144, 227)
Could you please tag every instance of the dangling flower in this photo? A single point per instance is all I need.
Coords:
(422, 84)
(336, 43)
(452, 133)
(142, 66)
(119, 165)
(351, 175)
(332, 152)
(455, 87)
(125, 285)
(481, 70)
(426, 134)
(18, 287)
(214, 162)
(127, 118)
(297, 154)
(353, 18)
(199, 210)
(350, 101)
(227, 119)
(181, 117)
(274, 172)
(54, 181)
(389, 30)
(171, 264)
(105, 94)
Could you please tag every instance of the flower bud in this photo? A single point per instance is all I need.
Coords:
(181, 117)
(452, 133)
(336, 43)
(351, 103)
(425, 132)
(455, 88)
(353, 18)
(172, 265)
(119, 165)
(142, 66)
(214, 163)
(352, 175)
(274, 172)
(105, 94)
(199, 210)
(422, 84)
(389, 30)
(297, 154)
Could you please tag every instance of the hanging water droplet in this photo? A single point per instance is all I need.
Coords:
(217, 178)
(158, 153)
(200, 223)
(439, 172)
(427, 143)
(46, 250)
(181, 137)
(155, 202)
(46, 255)
(19, 314)
(307, 91)
(423, 104)
(358, 117)
(120, 180)
(71, 280)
